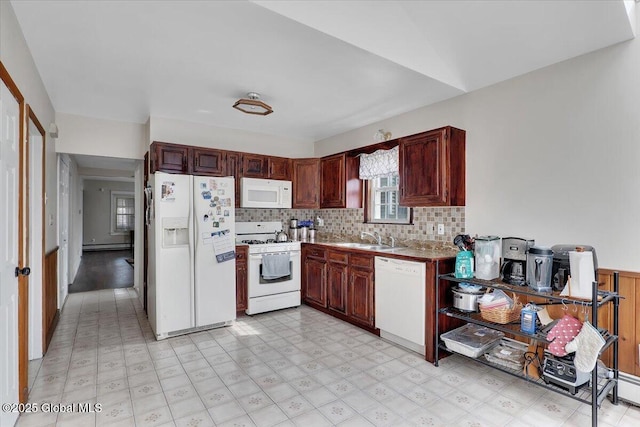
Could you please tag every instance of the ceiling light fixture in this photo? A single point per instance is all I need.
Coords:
(253, 105)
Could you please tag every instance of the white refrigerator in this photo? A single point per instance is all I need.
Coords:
(191, 270)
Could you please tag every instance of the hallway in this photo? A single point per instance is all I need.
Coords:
(294, 367)
(103, 270)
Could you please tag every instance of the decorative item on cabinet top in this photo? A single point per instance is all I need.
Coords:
(381, 135)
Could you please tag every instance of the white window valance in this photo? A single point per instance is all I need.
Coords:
(379, 163)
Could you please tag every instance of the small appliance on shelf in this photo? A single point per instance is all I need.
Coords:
(488, 255)
(561, 266)
(539, 263)
(562, 372)
(514, 256)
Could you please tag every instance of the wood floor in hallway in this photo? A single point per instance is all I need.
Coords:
(103, 270)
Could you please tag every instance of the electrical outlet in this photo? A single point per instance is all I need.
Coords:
(431, 228)
(440, 229)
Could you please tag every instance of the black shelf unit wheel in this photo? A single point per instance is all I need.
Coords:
(593, 394)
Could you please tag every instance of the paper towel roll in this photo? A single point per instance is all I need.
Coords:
(582, 275)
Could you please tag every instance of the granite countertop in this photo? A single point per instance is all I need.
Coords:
(423, 249)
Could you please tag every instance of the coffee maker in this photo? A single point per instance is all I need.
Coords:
(561, 270)
(514, 257)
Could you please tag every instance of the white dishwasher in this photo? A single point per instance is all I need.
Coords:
(400, 301)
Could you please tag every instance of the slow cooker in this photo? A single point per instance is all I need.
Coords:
(466, 298)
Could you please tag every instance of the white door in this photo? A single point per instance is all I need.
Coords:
(9, 156)
(63, 215)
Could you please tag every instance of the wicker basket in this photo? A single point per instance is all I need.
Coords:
(503, 315)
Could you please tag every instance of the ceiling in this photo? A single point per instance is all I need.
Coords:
(106, 168)
(325, 67)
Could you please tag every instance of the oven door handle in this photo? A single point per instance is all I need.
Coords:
(259, 256)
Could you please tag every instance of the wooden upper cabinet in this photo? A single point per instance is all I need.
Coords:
(279, 168)
(255, 166)
(259, 166)
(341, 187)
(171, 158)
(306, 176)
(208, 162)
(332, 193)
(234, 169)
(432, 168)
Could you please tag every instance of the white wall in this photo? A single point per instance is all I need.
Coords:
(100, 137)
(180, 132)
(552, 155)
(17, 59)
(97, 213)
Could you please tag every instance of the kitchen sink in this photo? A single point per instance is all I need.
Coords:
(367, 246)
(352, 245)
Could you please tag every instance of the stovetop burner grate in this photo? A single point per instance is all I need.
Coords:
(254, 242)
(260, 242)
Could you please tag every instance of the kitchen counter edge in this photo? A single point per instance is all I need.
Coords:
(400, 253)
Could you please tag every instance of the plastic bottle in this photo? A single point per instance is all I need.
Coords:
(464, 265)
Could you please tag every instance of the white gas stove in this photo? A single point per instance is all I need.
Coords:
(275, 289)
(260, 236)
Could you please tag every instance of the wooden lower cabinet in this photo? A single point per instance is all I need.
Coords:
(339, 283)
(242, 253)
(445, 323)
(342, 283)
(360, 297)
(314, 277)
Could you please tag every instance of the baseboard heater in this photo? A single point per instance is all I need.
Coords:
(106, 247)
(629, 388)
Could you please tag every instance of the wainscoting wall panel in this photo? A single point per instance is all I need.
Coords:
(49, 297)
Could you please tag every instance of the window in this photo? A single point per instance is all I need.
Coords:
(384, 198)
(122, 212)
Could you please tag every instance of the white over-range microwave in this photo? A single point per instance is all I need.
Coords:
(265, 193)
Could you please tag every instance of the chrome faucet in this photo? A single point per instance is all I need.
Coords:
(393, 241)
(375, 235)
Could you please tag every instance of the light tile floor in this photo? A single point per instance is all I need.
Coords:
(295, 367)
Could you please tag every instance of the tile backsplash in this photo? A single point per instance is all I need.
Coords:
(351, 222)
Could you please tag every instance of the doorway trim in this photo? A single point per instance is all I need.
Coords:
(38, 262)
